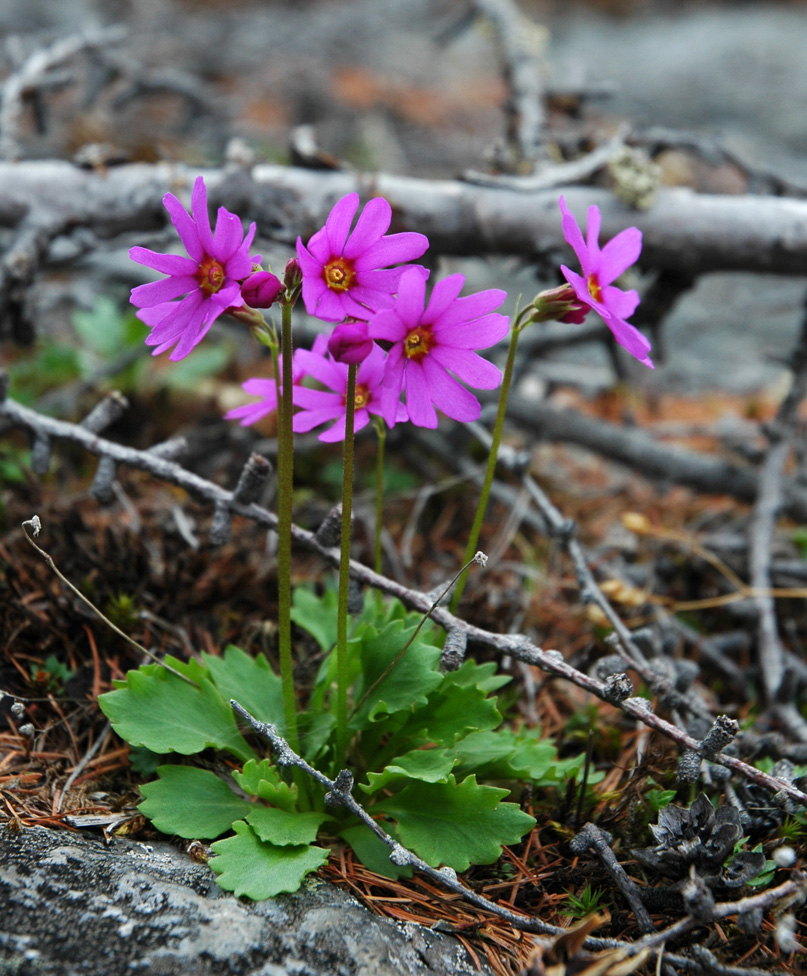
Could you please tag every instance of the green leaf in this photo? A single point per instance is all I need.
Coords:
(191, 802)
(485, 677)
(373, 852)
(104, 328)
(507, 755)
(455, 824)
(316, 614)
(249, 866)
(408, 683)
(207, 360)
(285, 828)
(155, 708)
(315, 730)
(263, 780)
(250, 681)
(426, 765)
(449, 715)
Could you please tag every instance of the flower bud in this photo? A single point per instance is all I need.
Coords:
(349, 342)
(559, 305)
(293, 275)
(261, 289)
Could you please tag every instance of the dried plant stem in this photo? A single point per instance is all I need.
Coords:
(342, 663)
(35, 526)
(285, 488)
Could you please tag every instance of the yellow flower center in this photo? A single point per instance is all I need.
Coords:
(594, 288)
(210, 276)
(361, 397)
(418, 343)
(339, 275)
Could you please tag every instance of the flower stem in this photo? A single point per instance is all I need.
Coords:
(342, 668)
(498, 428)
(381, 430)
(285, 486)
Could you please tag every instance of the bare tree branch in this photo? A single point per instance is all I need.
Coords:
(683, 231)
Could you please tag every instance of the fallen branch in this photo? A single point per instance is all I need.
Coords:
(683, 231)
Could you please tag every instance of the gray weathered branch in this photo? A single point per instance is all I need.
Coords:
(683, 231)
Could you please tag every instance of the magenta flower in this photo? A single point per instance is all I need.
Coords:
(209, 279)
(432, 343)
(320, 406)
(600, 268)
(266, 389)
(347, 275)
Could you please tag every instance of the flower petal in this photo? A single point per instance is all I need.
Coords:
(418, 397)
(155, 292)
(477, 334)
(593, 231)
(447, 394)
(391, 249)
(470, 368)
(621, 303)
(443, 295)
(387, 325)
(229, 235)
(574, 236)
(309, 419)
(619, 253)
(337, 226)
(170, 264)
(183, 315)
(185, 226)
(578, 284)
(470, 307)
(630, 338)
(411, 297)
(323, 370)
(200, 215)
(190, 339)
(372, 224)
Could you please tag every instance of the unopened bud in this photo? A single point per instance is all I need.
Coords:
(261, 289)
(349, 342)
(293, 275)
(559, 305)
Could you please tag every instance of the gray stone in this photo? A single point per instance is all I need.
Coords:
(70, 904)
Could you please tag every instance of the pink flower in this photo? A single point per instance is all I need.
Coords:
(432, 343)
(320, 406)
(209, 279)
(266, 389)
(600, 268)
(347, 275)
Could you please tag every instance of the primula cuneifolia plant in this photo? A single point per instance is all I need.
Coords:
(424, 743)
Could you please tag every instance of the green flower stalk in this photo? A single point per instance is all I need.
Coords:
(381, 431)
(342, 667)
(285, 488)
(556, 303)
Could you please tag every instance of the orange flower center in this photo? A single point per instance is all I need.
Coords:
(361, 397)
(210, 275)
(418, 343)
(339, 275)
(594, 288)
